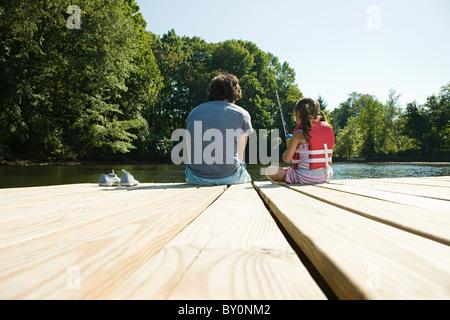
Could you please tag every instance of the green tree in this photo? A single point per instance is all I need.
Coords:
(322, 102)
(233, 57)
(370, 121)
(416, 125)
(65, 90)
(364, 133)
(109, 47)
(438, 110)
(428, 125)
(289, 94)
(349, 140)
(110, 87)
(345, 111)
(395, 140)
(185, 66)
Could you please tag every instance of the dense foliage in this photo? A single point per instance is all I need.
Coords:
(102, 87)
(365, 127)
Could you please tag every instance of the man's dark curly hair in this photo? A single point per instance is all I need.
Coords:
(225, 87)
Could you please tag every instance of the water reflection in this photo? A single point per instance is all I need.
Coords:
(169, 173)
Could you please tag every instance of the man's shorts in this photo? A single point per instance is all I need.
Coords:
(241, 176)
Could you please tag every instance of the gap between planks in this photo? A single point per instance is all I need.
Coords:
(350, 251)
(233, 250)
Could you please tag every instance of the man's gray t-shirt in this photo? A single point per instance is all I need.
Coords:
(214, 130)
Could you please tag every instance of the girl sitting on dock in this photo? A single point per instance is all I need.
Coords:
(310, 149)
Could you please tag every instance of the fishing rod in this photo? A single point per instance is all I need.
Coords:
(288, 136)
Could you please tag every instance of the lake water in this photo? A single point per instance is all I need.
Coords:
(16, 176)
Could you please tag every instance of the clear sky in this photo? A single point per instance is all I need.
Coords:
(335, 46)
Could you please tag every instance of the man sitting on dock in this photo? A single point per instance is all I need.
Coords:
(217, 134)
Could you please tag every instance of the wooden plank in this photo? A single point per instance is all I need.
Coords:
(443, 178)
(32, 219)
(9, 198)
(432, 224)
(358, 257)
(430, 182)
(98, 254)
(234, 250)
(437, 178)
(440, 193)
(17, 198)
(413, 200)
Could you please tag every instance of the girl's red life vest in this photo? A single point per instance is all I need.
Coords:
(322, 138)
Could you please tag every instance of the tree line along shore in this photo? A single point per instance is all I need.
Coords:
(110, 90)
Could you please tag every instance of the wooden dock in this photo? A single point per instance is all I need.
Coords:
(350, 239)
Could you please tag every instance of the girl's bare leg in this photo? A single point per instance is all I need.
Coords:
(276, 174)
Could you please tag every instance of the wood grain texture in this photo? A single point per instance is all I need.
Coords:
(33, 217)
(429, 190)
(358, 257)
(369, 239)
(430, 223)
(425, 181)
(234, 250)
(413, 200)
(101, 248)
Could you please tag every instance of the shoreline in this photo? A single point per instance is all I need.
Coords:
(34, 163)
